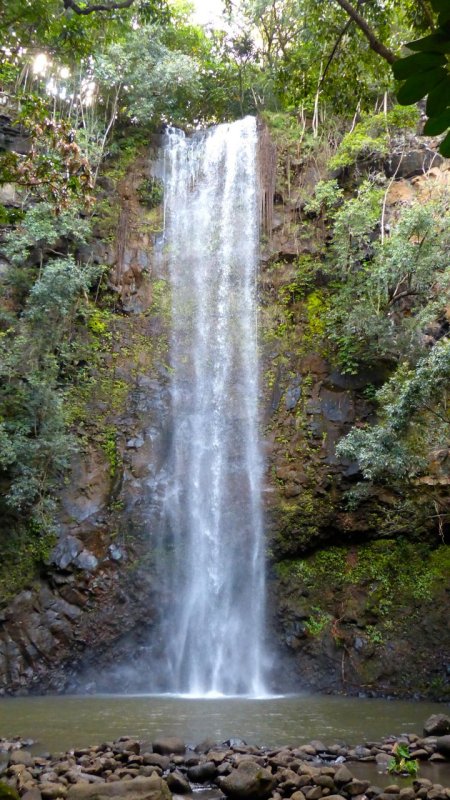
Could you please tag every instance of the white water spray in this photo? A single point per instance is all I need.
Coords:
(212, 509)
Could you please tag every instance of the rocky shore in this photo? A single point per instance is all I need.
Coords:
(167, 768)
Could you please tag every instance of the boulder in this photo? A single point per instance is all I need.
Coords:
(249, 780)
(21, 757)
(202, 772)
(153, 788)
(156, 760)
(169, 744)
(437, 725)
(443, 746)
(7, 792)
(343, 775)
(178, 783)
(52, 791)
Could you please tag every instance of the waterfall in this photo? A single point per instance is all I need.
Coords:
(212, 507)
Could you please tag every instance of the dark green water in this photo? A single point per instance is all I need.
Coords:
(60, 723)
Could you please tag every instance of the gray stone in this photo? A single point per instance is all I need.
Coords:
(202, 772)
(155, 759)
(115, 552)
(337, 406)
(21, 757)
(437, 725)
(86, 561)
(356, 787)
(66, 551)
(414, 162)
(51, 791)
(153, 788)
(248, 780)
(314, 794)
(135, 443)
(293, 395)
(343, 775)
(32, 794)
(443, 745)
(169, 744)
(178, 783)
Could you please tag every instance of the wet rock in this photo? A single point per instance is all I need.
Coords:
(202, 772)
(343, 775)
(314, 794)
(289, 780)
(153, 788)
(443, 746)
(414, 162)
(383, 759)
(86, 561)
(32, 794)
(325, 781)
(407, 793)
(128, 746)
(65, 552)
(7, 792)
(293, 395)
(356, 787)
(218, 756)
(21, 757)
(235, 743)
(168, 745)
(249, 780)
(157, 760)
(51, 791)
(437, 725)
(177, 783)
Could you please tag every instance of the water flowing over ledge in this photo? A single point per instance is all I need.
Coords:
(212, 513)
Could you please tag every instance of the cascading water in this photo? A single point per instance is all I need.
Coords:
(212, 507)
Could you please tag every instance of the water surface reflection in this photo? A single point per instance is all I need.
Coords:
(62, 722)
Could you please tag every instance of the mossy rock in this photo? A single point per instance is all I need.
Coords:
(7, 792)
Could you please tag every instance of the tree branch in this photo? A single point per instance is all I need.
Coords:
(334, 50)
(113, 6)
(375, 44)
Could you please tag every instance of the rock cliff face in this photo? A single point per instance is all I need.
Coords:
(360, 590)
(353, 607)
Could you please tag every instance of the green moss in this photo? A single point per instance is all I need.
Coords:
(109, 446)
(150, 192)
(24, 552)
(391, 573)
(316, 314)
(7, 792)
(371, 136)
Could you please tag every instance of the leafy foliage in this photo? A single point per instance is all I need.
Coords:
(395, 447)
(426, 74)
(401, 762)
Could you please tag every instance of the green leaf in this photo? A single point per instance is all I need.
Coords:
(438, 98)
(436, 125)
(419, 62)
(420, 85)
(434, 43)
(444, 147)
